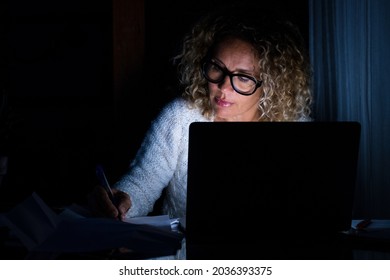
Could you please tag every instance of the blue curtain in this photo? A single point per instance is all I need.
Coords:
(350, 53)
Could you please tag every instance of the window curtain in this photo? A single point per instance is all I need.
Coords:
(350, 53)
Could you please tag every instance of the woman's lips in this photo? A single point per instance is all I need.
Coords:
(222, 103)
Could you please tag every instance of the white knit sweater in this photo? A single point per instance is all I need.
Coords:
(161, 162)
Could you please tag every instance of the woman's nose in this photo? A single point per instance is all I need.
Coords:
(226, 84)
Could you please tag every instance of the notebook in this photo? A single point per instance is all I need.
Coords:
(270, 190)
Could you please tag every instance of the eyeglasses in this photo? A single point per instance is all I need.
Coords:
(241, 83)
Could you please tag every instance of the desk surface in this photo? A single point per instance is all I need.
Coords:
(371, 243)
(34, 231)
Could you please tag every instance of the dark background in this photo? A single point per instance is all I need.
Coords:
(83, 80)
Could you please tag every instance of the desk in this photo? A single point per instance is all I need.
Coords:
(12, 249)
(354, 247)
(371, 243)
(32, 230)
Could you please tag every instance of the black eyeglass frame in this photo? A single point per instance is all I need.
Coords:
(226, 72)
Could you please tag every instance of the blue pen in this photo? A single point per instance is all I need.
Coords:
(103, 181)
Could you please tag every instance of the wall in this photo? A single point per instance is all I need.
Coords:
(84, 80)
(59, 88)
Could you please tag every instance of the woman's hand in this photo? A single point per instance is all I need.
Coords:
(101, 205)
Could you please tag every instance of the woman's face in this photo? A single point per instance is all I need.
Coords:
(238, 57)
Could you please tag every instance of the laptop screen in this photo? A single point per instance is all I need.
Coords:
(258, 182)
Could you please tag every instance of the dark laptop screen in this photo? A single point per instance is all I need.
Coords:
(253, 183)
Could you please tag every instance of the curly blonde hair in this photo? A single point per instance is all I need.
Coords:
(283, 61)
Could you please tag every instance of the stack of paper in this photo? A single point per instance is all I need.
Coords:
(42, 230)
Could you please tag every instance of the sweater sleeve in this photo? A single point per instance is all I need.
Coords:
(155, 162)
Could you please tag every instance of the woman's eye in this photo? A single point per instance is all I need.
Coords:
(244, 79)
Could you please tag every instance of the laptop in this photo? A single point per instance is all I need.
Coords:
(270, 190)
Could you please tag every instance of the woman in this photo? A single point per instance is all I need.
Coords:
(232, 68)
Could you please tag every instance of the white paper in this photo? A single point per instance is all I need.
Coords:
(42, 230)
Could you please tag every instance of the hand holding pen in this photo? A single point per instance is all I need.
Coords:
(108, 202)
